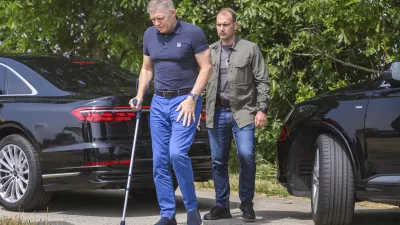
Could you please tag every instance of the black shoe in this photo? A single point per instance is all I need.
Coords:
(217, 213)
(248, 211)
(166, 221)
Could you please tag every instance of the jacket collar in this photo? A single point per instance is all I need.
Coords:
(218, 45)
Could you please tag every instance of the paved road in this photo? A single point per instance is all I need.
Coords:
(105, 207)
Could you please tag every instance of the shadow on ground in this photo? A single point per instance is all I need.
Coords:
(377, 216)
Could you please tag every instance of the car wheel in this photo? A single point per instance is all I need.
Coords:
(20, 175)
(332, 195)
(146, 194)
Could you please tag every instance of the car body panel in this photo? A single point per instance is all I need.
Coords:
(366, 118)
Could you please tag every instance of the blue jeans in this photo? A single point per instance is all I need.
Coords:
(171, 142)
(220, 136)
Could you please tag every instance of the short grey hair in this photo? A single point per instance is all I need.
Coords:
(160, 4)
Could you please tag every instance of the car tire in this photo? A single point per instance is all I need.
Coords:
(332, 195)
(147, 194)
(21, 187)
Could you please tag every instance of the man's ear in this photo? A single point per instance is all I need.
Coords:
(173, 12)
(235, 25)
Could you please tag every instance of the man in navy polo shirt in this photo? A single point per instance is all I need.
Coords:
(173, 51)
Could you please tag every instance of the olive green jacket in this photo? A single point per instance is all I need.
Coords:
(248, 82)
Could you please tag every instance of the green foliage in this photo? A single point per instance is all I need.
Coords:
(266, 182)
(266, 140)
(305, 89)
(310, 46)
(108, 30)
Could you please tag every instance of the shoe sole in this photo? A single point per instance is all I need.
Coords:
(250, 220)
(219, 218)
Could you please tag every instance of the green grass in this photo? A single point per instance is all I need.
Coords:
(266, 183)
(15, 221)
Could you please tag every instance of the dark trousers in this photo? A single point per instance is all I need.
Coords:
(225, 128)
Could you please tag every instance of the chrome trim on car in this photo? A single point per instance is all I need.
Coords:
(34, 91)
(56, 175)
(288, 115)
(108, 110)
(130, 110)
(385, 179)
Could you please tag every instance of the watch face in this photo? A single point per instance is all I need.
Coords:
(194, 96)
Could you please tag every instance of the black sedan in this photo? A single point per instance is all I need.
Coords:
(343, 146)
(65, 124)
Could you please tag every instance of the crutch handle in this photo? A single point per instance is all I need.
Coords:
(139, 112)
(134, 102)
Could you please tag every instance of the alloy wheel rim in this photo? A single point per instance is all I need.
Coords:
(14, 173)
(315, 184)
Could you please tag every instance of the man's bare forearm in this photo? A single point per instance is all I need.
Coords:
(144, 80)
(204, 61)
(202, 79)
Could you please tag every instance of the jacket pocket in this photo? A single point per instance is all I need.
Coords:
(244, 73)
(244, 92)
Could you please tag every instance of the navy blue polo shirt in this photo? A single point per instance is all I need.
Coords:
(173, 55)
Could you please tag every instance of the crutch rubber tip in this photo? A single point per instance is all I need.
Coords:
(122, 223)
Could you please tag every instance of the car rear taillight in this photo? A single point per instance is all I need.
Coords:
(104, 114)
(284, 133)
(203, 113)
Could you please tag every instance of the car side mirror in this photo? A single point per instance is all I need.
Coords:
(396, 70)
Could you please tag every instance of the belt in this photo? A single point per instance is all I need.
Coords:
(173, 93)
(222, 102)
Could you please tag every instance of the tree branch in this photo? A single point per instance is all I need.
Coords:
(305, 54)
(337, 60)
(351, 64)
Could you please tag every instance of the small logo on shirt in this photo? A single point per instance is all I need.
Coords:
(178, 45)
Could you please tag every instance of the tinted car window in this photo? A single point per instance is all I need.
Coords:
(78, 74)
(15, 85)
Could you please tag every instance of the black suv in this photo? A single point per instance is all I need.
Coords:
(344, 146)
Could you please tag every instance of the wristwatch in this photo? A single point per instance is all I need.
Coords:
(194, 96)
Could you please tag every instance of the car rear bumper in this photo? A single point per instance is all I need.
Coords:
(115, 177)
(74, 166)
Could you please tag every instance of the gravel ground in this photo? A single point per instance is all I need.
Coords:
(105, 207)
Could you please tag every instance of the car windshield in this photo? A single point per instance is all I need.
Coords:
(79, 74)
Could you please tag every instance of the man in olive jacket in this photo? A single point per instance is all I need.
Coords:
(237, 97)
